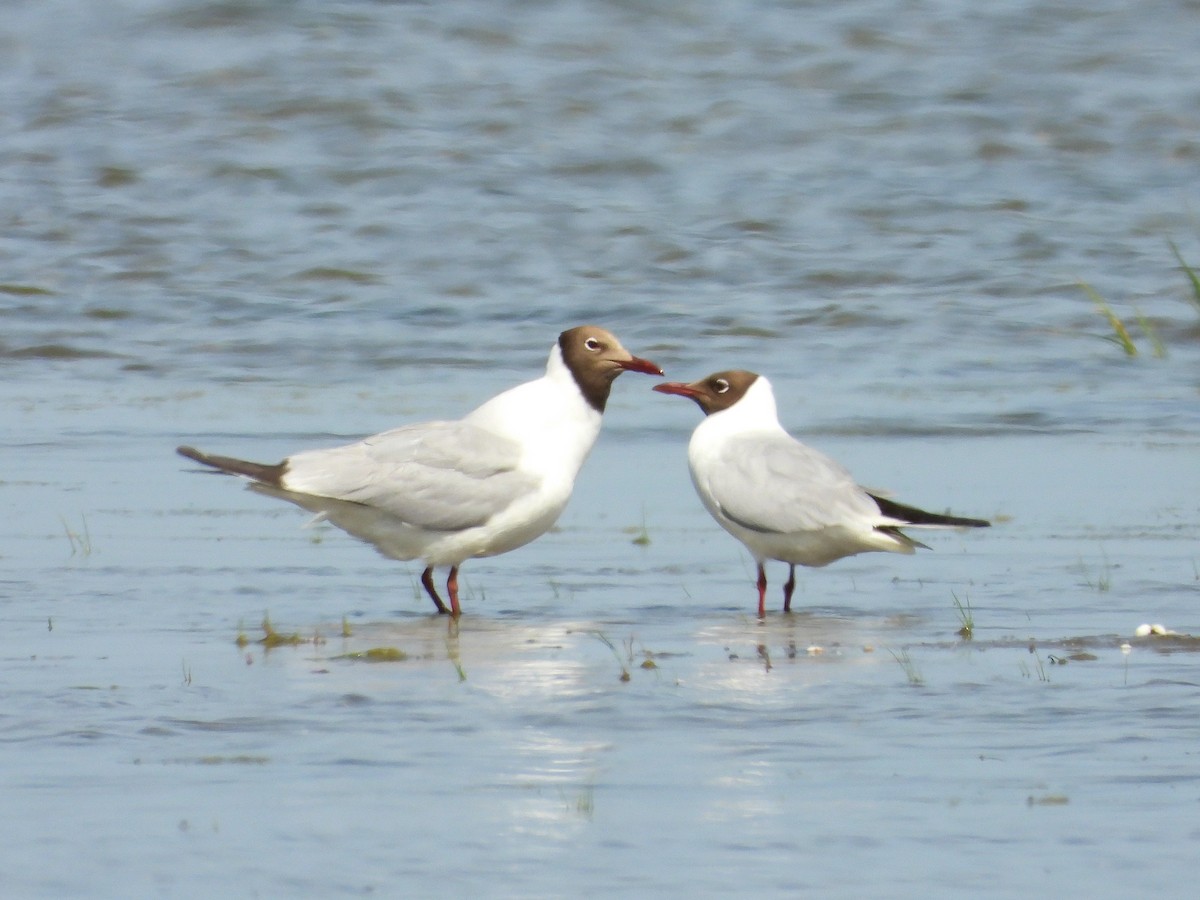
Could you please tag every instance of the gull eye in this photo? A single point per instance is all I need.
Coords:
(720, 385)
(592, 344)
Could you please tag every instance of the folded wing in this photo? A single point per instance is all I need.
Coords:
(770, 483)
(439, 476)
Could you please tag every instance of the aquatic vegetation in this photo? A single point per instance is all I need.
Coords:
(1193, 278)
(603, 638)
(1159, 348)
(1041, 665)
(272, 638)
(641, 535)
(1042, 676)
(81, 543)
(965, 615)
(628, 653)
(1120, 332)
(376, 654)
(911, 672)
(585, 803)
(1120, 335)
(1102, 582)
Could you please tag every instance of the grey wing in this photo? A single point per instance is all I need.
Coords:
(772, 483)
(441, 476)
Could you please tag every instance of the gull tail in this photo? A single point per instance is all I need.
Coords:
(260, 472)
(910, 515)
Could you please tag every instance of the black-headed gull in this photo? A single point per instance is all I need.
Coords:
(446, 492)
(781, 499)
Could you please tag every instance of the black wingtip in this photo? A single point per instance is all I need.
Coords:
(267, 474)
(190, 452)
(910, 515)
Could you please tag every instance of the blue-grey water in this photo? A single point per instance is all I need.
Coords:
(260, 227)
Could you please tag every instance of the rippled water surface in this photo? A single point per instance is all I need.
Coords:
(260, 227)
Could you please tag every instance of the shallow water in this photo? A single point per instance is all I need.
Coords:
(261, 227)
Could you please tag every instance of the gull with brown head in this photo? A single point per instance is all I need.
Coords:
(782, 499)
(448, 491)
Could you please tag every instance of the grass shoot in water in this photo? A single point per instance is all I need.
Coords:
(1120, 335)
(911, 672)
(965, 615)
(1193, 278)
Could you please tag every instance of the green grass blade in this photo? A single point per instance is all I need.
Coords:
(1148, 329)
(1120, 332)
(1191, 274)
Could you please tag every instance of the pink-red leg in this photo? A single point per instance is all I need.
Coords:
(452, 589)
(788, 588)
(427, 583)
(762, 592)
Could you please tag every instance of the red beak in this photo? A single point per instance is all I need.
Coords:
(637, 364)
(677, 387)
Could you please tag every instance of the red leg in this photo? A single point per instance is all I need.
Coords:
(452, 589)
(427, 582)
(762, 592)
(788, 588)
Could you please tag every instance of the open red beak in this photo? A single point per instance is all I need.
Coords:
(637, 364)
(677, 387)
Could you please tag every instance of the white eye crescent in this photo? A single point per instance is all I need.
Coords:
(592, 344)
(720, 385)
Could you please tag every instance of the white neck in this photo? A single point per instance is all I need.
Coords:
(548, 416)
(755, 411)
